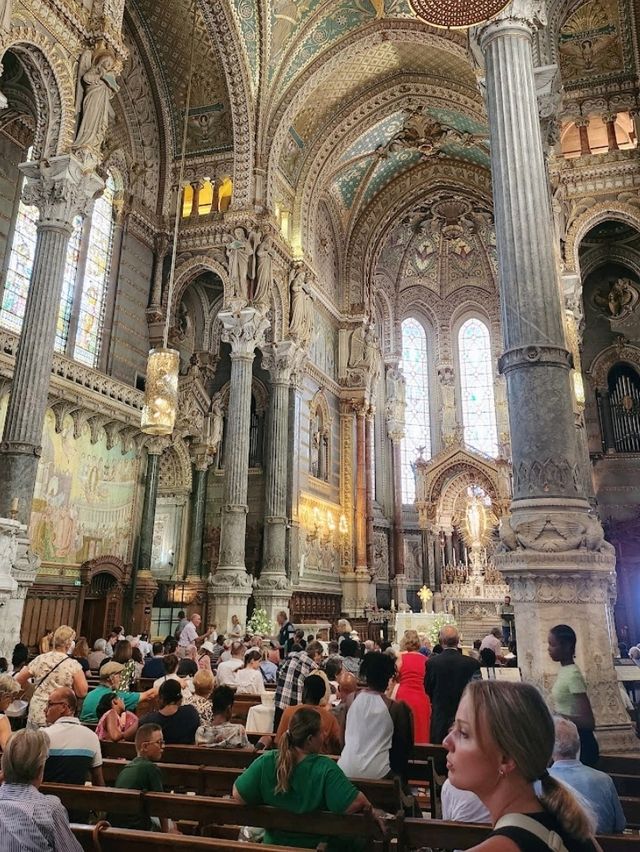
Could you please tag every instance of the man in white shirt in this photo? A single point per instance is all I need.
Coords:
(226, 672)
(74, 749)
(189, 635)
(493, 641)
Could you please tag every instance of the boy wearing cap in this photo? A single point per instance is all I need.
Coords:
(109, 682)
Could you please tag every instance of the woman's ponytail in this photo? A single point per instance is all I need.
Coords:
(304, 723)
(564, 806)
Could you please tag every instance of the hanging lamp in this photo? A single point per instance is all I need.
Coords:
(163, 365)
(457, 14)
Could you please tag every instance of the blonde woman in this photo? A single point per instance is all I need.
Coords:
(51, 671)
(203, 682)
(8, 690)
(411, 668)
(501, 744)
(299, 779)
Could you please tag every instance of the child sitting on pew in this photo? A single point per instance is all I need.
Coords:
(115, 722)
(222, 733)
(143, 774)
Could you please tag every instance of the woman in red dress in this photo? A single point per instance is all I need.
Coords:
(411, 666)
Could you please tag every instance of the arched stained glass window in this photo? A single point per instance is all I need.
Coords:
(23, 250)
(68, 286)
(83, 289)
(476, 385)
(96, 277)
(415, 368)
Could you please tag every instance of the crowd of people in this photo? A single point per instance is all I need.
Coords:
(368, 703)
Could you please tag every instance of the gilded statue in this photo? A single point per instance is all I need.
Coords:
(95, 88)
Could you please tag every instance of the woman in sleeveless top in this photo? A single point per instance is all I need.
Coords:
(501, 744)
(411, 666)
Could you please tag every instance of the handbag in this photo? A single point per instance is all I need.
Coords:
(550, 838)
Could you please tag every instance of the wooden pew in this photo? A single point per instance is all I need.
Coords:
(438, 834)
(238, 758)
(107, 839)
(631, 809)
(219, 781)
(209, 811)
(626, 785)
(435, 753)
(619, 764)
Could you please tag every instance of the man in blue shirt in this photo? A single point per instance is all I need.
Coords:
(596, 788)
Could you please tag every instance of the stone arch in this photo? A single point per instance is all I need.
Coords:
(411, 303)
(53, 86)
(617, 210)
(258, 391)
(454, 487)
(175, 469)
(384, 310)
(188, 271)
(628, 258)
(112, 565)
(607, 358)
(319, 436)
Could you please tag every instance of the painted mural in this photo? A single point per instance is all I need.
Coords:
(84, 497)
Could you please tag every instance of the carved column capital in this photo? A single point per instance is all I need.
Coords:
(244, 331)
(157, 446)
(283, 360)
(581, 122)
(527, 15)
(202, 455)
(60, 188)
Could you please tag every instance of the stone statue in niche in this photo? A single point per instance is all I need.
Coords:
(217, 424)
(396, 388)
(619, 301)
(264, 273)
(301, 323)
(357, 347)
(6, 7)
(95, 88)
(449, 423)
(242, 262)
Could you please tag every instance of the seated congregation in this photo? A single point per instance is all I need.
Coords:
(366, 748)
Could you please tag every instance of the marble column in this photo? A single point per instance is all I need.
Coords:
(606, 421)
(272, 589)
(361, 488)
(610, 123)
(202, 459)
(370, 485)
(399, 582)
(230, 587)
(555, 559)
(155, 312)
(120, 230)
(583, 132)
(61, 190)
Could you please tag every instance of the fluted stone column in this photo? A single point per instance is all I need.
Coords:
(399, 582)
(557, 563)
(18, 570)
(272, 590)
(61, 190)
(230, 587)
(583, 132)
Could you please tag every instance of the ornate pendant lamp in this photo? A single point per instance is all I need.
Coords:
(163, 366)
(457, 14)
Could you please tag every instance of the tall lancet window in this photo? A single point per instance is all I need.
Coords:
(415, 366)
(476, 386)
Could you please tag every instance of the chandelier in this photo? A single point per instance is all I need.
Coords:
(163, 366)
(457, 14)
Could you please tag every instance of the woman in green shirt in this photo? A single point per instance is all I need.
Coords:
(569, 692)
(297, 778)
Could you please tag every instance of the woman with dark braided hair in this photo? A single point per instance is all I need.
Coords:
(500, 744)
(297, 778)
(569, 692)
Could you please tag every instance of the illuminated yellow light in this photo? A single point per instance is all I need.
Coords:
(578, 387)
(161, 393)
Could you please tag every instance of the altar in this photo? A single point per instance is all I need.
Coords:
(428, 623)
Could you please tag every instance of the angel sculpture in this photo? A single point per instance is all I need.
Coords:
(95, 88)
(264, 273)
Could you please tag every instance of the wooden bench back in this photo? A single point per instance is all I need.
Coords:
(103, 838)
(238, 758)
(623, 764)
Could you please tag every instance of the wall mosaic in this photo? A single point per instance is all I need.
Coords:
(589, 42)
(85, 496)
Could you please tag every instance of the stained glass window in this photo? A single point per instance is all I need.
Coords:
(418, 427)
(94, 285)
(68, 286)
(476, 385)
(23, 251)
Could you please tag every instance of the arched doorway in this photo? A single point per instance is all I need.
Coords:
(106, 580)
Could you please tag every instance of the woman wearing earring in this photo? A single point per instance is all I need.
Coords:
(500, 744)
(569, 691)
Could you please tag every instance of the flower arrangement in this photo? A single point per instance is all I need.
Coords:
(259, 623)
(439, 621)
